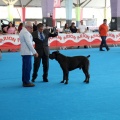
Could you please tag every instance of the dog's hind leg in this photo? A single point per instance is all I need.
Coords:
(87, 76)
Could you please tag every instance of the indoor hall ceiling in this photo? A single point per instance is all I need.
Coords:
(37, 3)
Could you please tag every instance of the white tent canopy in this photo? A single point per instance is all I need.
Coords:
(37, 3)
(94, 9)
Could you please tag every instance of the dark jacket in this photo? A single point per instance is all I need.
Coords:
(42, 46)
(73, 30)
(34, 27)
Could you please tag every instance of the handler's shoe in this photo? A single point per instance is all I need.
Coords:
(33, 80)
(45, 80)
(102, 50)
(28, 85)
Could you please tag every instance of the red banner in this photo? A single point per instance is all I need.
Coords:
(12, 41)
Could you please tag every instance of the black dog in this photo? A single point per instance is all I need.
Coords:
(70, 63)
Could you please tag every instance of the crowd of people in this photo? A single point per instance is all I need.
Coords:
(73, 29)
(12, 29)
(103, 29)
(9, 29)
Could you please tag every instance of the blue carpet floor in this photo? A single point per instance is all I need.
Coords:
(98, 100)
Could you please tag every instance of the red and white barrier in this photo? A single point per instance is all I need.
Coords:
(11, 41)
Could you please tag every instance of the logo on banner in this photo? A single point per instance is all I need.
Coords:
(83, 36)
(57, 3)
(70, 36)
(14, 39)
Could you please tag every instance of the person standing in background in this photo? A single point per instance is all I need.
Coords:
(66, 29)
(40, 37)
(27, 50)
(10, 29)
(103, 29)
(73, 28)
(3, 26)
(35, 25)
(20, 27)
(82, 28)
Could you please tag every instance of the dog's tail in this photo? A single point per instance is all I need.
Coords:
(88, 56)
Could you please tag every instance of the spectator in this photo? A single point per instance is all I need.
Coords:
(66, 29)
(20, 27)
(3, 26)
(88, 30)
(73, 28)
(35, 25)
(82, 28)
(10, 29)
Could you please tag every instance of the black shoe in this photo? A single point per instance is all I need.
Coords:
(34, 77)
(33, 80)
(45, 80)
(28, 85)
(102, 50)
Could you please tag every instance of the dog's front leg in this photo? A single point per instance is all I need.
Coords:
(66, 77)
(66, 72)
(63, 77)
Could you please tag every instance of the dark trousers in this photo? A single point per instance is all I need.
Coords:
(26, 68)
(45, 62)
(103, 43)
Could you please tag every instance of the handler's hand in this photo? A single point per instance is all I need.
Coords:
(36, 55)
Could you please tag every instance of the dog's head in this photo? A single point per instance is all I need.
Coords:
(53, 55)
